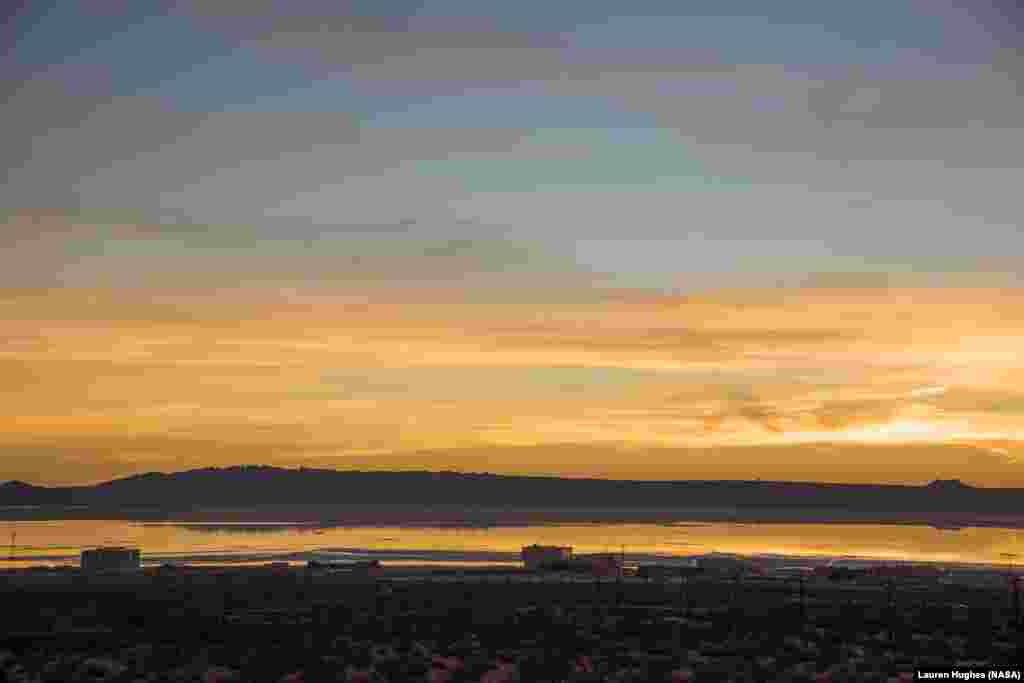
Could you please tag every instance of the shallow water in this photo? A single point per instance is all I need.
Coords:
(60, 542)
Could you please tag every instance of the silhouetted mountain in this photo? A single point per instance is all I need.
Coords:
(252, 486)
(20, 493)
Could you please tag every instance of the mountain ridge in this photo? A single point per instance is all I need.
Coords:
(259, 485)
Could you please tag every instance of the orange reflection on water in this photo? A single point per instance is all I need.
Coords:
(37, 540)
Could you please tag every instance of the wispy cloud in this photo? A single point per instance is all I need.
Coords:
(716, 229)
(396, 371)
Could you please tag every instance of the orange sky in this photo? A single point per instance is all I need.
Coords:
(855, 384)
(671, 239)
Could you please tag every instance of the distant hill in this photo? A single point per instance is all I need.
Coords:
(254, 486)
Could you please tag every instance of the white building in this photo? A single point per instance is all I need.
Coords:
(541, 556)
(115, 558)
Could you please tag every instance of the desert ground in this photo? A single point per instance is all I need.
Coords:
(294, 625)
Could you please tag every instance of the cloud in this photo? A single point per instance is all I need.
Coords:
(984, 401)
(481, 205)
(239, 167)
(81, 460)
(981, 96)
(392, 88)
(56, 138)
(266, 16)
(790, 409)
(912, 464)
(84, 461)
(62, 250)
(398, 369)
(840, 415)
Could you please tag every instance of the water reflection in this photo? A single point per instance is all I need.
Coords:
(63, 540)
(243, 527)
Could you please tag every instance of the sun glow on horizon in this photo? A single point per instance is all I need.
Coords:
(905, 431)
(108, 383)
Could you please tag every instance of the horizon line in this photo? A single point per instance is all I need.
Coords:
(461, 472)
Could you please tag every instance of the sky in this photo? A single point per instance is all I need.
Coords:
(685, 240)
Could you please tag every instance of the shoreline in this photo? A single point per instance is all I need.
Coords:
(457, 516)
(416, 562)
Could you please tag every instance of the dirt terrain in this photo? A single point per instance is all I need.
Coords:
(291, 625)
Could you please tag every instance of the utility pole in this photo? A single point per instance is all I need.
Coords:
(1012, 578)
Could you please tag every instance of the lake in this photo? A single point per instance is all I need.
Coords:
(60, 542)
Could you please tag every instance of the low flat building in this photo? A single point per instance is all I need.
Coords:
(546, 556)
(112, 558)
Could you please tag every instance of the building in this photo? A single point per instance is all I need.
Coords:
(546, 556)
(113, 558)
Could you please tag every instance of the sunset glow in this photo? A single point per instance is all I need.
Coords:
(268, 378)
(519, 240)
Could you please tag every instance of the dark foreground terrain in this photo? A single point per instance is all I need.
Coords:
(291, 625)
